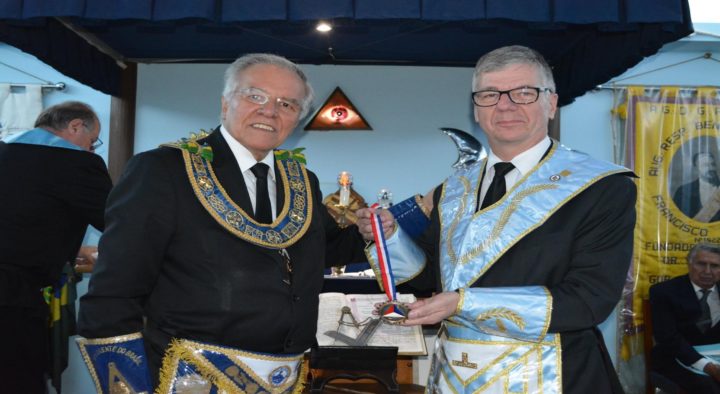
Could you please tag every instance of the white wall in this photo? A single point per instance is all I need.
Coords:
(74, 90)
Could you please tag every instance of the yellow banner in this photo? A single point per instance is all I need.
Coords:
(676, 155)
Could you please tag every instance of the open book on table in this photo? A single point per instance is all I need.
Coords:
(409, 340)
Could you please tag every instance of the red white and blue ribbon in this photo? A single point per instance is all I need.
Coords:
(384, 262)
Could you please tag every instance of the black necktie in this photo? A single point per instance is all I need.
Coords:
(497, 187)
(263, 209)
(705, 321)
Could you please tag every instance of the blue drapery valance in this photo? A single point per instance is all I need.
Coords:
(227, 11)
(586, 42)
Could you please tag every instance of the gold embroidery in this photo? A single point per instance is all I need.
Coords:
(502, 222)
(456, 220)
(291, 223)
(273, 236)
(297, 216)
(502, 313)
(235, 220)
(500, 325)
(205, 183)
(464, 362)
(217, 204)
(117, 384)
(232, 377)
(297, 185)
(83, 343)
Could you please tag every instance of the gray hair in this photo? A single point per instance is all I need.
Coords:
(509, 55)
(242, 63)
(58, 116)
(703, 246)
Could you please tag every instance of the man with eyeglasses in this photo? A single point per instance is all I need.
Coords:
(685, 313)
(527, 250)
(53, 186)
(214, 253)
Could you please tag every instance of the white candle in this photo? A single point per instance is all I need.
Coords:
(344, 195)
(344, 180)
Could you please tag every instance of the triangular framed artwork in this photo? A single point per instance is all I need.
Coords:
(338, 113)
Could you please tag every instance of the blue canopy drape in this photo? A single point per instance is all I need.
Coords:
(586, 42)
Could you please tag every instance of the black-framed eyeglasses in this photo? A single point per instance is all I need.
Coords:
(96, 144)
(523, 95)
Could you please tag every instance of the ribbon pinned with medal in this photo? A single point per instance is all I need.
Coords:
(391, 311)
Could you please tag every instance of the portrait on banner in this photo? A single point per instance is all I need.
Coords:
(694, 182)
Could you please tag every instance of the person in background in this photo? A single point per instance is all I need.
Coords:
(213, 257)
(527, 250)
(54, 186)
(685, 311)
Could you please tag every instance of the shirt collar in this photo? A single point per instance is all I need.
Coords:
(244, 157)
(698, 288)
(525, 161)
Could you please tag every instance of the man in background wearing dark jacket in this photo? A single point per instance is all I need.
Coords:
(53, 186)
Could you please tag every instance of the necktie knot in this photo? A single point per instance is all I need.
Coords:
(502, 168)
(497, 186)
(260, 170)
(705, 294)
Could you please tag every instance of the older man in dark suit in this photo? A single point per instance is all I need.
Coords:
(685, 313)
(220, 246)
(53, 186)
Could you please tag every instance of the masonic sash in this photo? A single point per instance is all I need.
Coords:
(471, 242)
(292, 221)
(497, 341)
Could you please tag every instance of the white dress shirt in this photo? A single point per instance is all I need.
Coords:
(245, 161)
(523, 163)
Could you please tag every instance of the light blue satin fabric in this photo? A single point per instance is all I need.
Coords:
(406, 259)
(496, 364)
(517, 312)
(41, 137)
(471, 242)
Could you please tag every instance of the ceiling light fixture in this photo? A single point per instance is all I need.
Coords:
(323, 27)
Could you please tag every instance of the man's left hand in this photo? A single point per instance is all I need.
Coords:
(85, 260)
(434, 309)
(365, 227)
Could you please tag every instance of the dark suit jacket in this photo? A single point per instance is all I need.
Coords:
(581, 254)
(675, 310)
(687, 199)
(49, 195)
(163, 256)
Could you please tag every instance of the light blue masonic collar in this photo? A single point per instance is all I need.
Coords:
(41, 137)
(471, 242)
